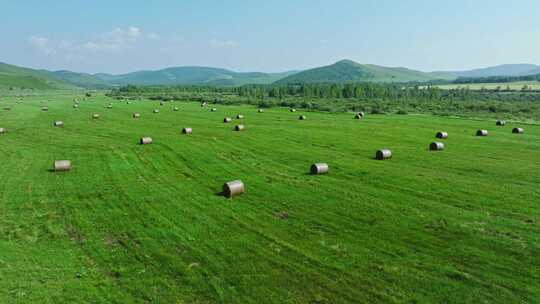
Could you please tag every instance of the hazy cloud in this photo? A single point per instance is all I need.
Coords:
(114, 40)
(220, 44)
(42, 44)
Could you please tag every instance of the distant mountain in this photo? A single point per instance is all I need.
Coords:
(18, 77)
(349, 71)
(499, 70)
(81, 80)
(192, 76)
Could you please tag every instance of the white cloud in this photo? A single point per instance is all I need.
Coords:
(42, 44)
(117, 39)
(153, 36)
(220, 44)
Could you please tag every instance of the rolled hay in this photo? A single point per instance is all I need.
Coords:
(260, 110)
(45, 109)
(234, 188)
(518, 131)
(129, 102)
(187, 131)
(203, 104)
(359, 115)
(383, 154)
(156, 111)
(145, 140)
(319, 168)
(136, 115)
(227, 120)
(176, 109)
(95, 116)
(239, 116)
(58, 123)
(213, 110)
(161, 103)
(302, 117)
(292, 110)
(436, 146)
(501, 123)
(482, 133)
(62, 165)
(3, 130)
(239, 128)
(77, 102)
(109, 107)
(7, 109)
(75, 106)
(441, 135)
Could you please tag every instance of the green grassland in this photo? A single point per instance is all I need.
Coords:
(515, 86)
(141, 224)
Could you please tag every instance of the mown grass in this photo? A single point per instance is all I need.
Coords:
(139, 224)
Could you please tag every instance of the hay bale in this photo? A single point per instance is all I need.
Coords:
(227, 120)
(7, 109)
(204, 104)
(501, 123)
(161, 103)
(383, 154)
(187, 131)
(319, 168)
(109, 107)
(95, 116)
(260, 111)
(136, 115)
(62, 165)
(239, 128)
(302, 117)
(213, 110)
(146, 141)
(239, 116)
(3, 130)
(482, 133)
(156, 111)
(359, 115)
(234, 188)
(293, 110)
(436, 146)
(45, 109)
(518, 131)
(75, 106)
(58, 123)
(441, 135)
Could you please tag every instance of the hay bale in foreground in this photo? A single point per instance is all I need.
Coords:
(3, 130)
(319, 168)
(239, 128)
(58, 123)
(359, 115)
(239, 116)
(187, 131)
(436, 146)
(234, 188)
(62, 165)
(482, 133)
(146, 141)
(383, 154)
(501, 123)
(227, 120)
(136, 115)
(95, 116)
(518, 131)
(441, 135)
(292, 110)
(302, 117)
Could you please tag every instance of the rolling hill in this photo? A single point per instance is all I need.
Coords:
(350, 71)
(19, 77)
(499, 70)
(82, 80)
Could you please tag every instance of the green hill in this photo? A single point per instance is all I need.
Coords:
(350, 71)
(82, 80)
(192, 76)
(18, 77)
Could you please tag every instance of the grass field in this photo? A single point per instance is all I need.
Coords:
(140, 224)
(516, 86)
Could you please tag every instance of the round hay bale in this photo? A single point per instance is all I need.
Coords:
(302, 117)
(501, 123)
(227, 120)
(441, 135)
(234, 188)
(176, 109)
(161, 103)
(239, 128)
(136, 115)
(292, 110)
(239, 116)
(146, 141)
(213, 110)
(518, 131)
(58, 123)
(45, 109)
(319, 168)
(436, 146)
(75, 106)
(187, 131)
(109, 107)
(260, 111)
(95, 116)
(129, 102)
(3, 130)
(156, 111)
(62, 165)
(359, 115)
(383, 154)
(482, 133)
(7, 108)
(203, 104)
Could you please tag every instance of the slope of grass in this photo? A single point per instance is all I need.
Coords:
(139, 224)
(18, 77)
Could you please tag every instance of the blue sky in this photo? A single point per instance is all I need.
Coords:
(119, 36)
